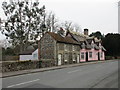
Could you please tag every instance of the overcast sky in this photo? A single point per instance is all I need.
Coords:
(96, 15)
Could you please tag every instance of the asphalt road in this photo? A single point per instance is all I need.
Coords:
(100, 75)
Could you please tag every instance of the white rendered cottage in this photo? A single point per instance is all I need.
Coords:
(35, 55)
(29, 54)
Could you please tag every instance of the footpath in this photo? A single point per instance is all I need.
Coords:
(15, 73)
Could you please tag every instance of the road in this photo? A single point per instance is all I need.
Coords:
(100, 75)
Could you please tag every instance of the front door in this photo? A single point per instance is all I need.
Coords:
(78, 58)
(59, 59)
(86, 56)
(98, 56)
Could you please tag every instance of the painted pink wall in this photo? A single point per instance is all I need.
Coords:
(84, 51)
(102, 58)
(94, 55)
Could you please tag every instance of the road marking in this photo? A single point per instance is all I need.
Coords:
(73, 71)
(22, 83)
(21, 75)
(48, 71)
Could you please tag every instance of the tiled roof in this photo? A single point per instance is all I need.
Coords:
(59, 38)
(89, 41)
(103, 48)
(79, 39)
(85, 39)
(96, 47)
(28, 51)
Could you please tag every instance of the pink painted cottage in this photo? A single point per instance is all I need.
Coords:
(91, 48)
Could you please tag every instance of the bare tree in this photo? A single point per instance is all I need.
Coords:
(68, 25)
(51, 22)
(77, 28)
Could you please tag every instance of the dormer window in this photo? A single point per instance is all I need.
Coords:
(92, 42)
(100, 45)
(66, 47)
(93, 46)
(61, 32)
(83, 45)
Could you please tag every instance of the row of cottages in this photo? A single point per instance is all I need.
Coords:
(60, 48)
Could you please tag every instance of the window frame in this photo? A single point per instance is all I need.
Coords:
(82, 55)
(101, 54)
(65, 47)
(73, 48)
(90, 54)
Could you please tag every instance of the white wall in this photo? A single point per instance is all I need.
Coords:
(25, 57)
(35, 55)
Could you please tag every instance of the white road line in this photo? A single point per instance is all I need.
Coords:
(48, 71)
(21, 75)
(73, 71)
(22, 83)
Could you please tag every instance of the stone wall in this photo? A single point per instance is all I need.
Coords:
(9, 66)
(10, 58)
(47, 46)
(68, 52)
(0, 53)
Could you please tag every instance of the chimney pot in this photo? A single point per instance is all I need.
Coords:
(85, 31)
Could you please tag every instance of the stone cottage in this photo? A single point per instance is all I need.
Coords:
(58, 49)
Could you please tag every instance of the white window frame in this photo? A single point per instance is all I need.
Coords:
(73, 47)
(90, 54)
(65, 47)
(82, 54)
(74, 57)
(65, 57)
(35, 55)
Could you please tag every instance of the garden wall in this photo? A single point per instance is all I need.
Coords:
(8, 66)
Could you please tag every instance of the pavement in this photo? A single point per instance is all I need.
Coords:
(15, 73)
(98, 75)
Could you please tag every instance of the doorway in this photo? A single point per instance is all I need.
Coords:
(59, 59)
(78, 58)
(86, 56)
(98, 55)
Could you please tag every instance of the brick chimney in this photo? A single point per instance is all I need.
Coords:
(85, 31)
